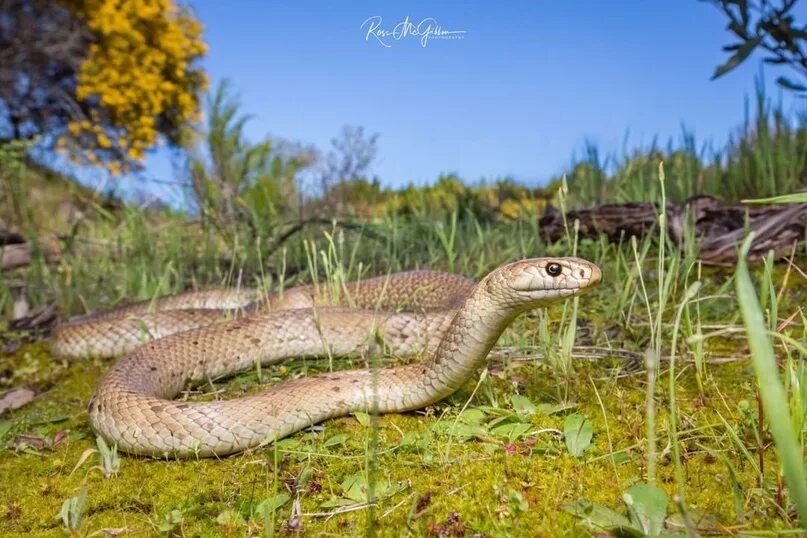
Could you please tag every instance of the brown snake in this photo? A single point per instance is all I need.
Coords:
(447, 318)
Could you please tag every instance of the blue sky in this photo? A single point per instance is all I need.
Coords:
(528, 84)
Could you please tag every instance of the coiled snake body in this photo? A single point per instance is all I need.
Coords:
(447, 318)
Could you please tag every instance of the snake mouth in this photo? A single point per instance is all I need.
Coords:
(579, 290)
(584, 289)
(588, 287)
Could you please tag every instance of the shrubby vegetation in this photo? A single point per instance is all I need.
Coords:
(236, 183)
(88, 76)
(766, 156)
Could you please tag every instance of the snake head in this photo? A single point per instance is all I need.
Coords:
(538, 281)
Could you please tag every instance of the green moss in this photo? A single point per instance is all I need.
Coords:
(465, 489)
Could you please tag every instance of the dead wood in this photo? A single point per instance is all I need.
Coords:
(718, 228)
(17, 255)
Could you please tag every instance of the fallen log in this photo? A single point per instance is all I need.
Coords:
(718, 228)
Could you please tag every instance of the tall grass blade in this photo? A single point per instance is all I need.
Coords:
(771, 390)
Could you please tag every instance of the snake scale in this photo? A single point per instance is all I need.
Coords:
(195, 337)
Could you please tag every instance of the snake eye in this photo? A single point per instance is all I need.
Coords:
(553, 269)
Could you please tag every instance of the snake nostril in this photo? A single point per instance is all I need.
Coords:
(582, 273)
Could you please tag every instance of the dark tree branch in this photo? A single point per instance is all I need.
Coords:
(771, 29)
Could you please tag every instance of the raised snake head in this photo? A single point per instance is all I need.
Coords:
(534, 282)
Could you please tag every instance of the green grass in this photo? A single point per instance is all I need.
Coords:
(772, 393)
(766, 156)
(708, 439)
(501, 464)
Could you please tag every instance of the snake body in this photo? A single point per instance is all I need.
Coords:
(444, 317)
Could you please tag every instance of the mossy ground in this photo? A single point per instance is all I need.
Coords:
(441, 481)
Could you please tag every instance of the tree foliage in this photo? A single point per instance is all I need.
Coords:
(769, 26)
(103, 79)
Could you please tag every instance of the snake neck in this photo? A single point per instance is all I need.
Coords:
(474, 330)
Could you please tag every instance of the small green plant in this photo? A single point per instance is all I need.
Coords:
(268, 506)
(646, 507)
(230, 519)
(577, 432)
(355, 489)
(73, 512)
(265, 511)
(171, 524)
(108, 456)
